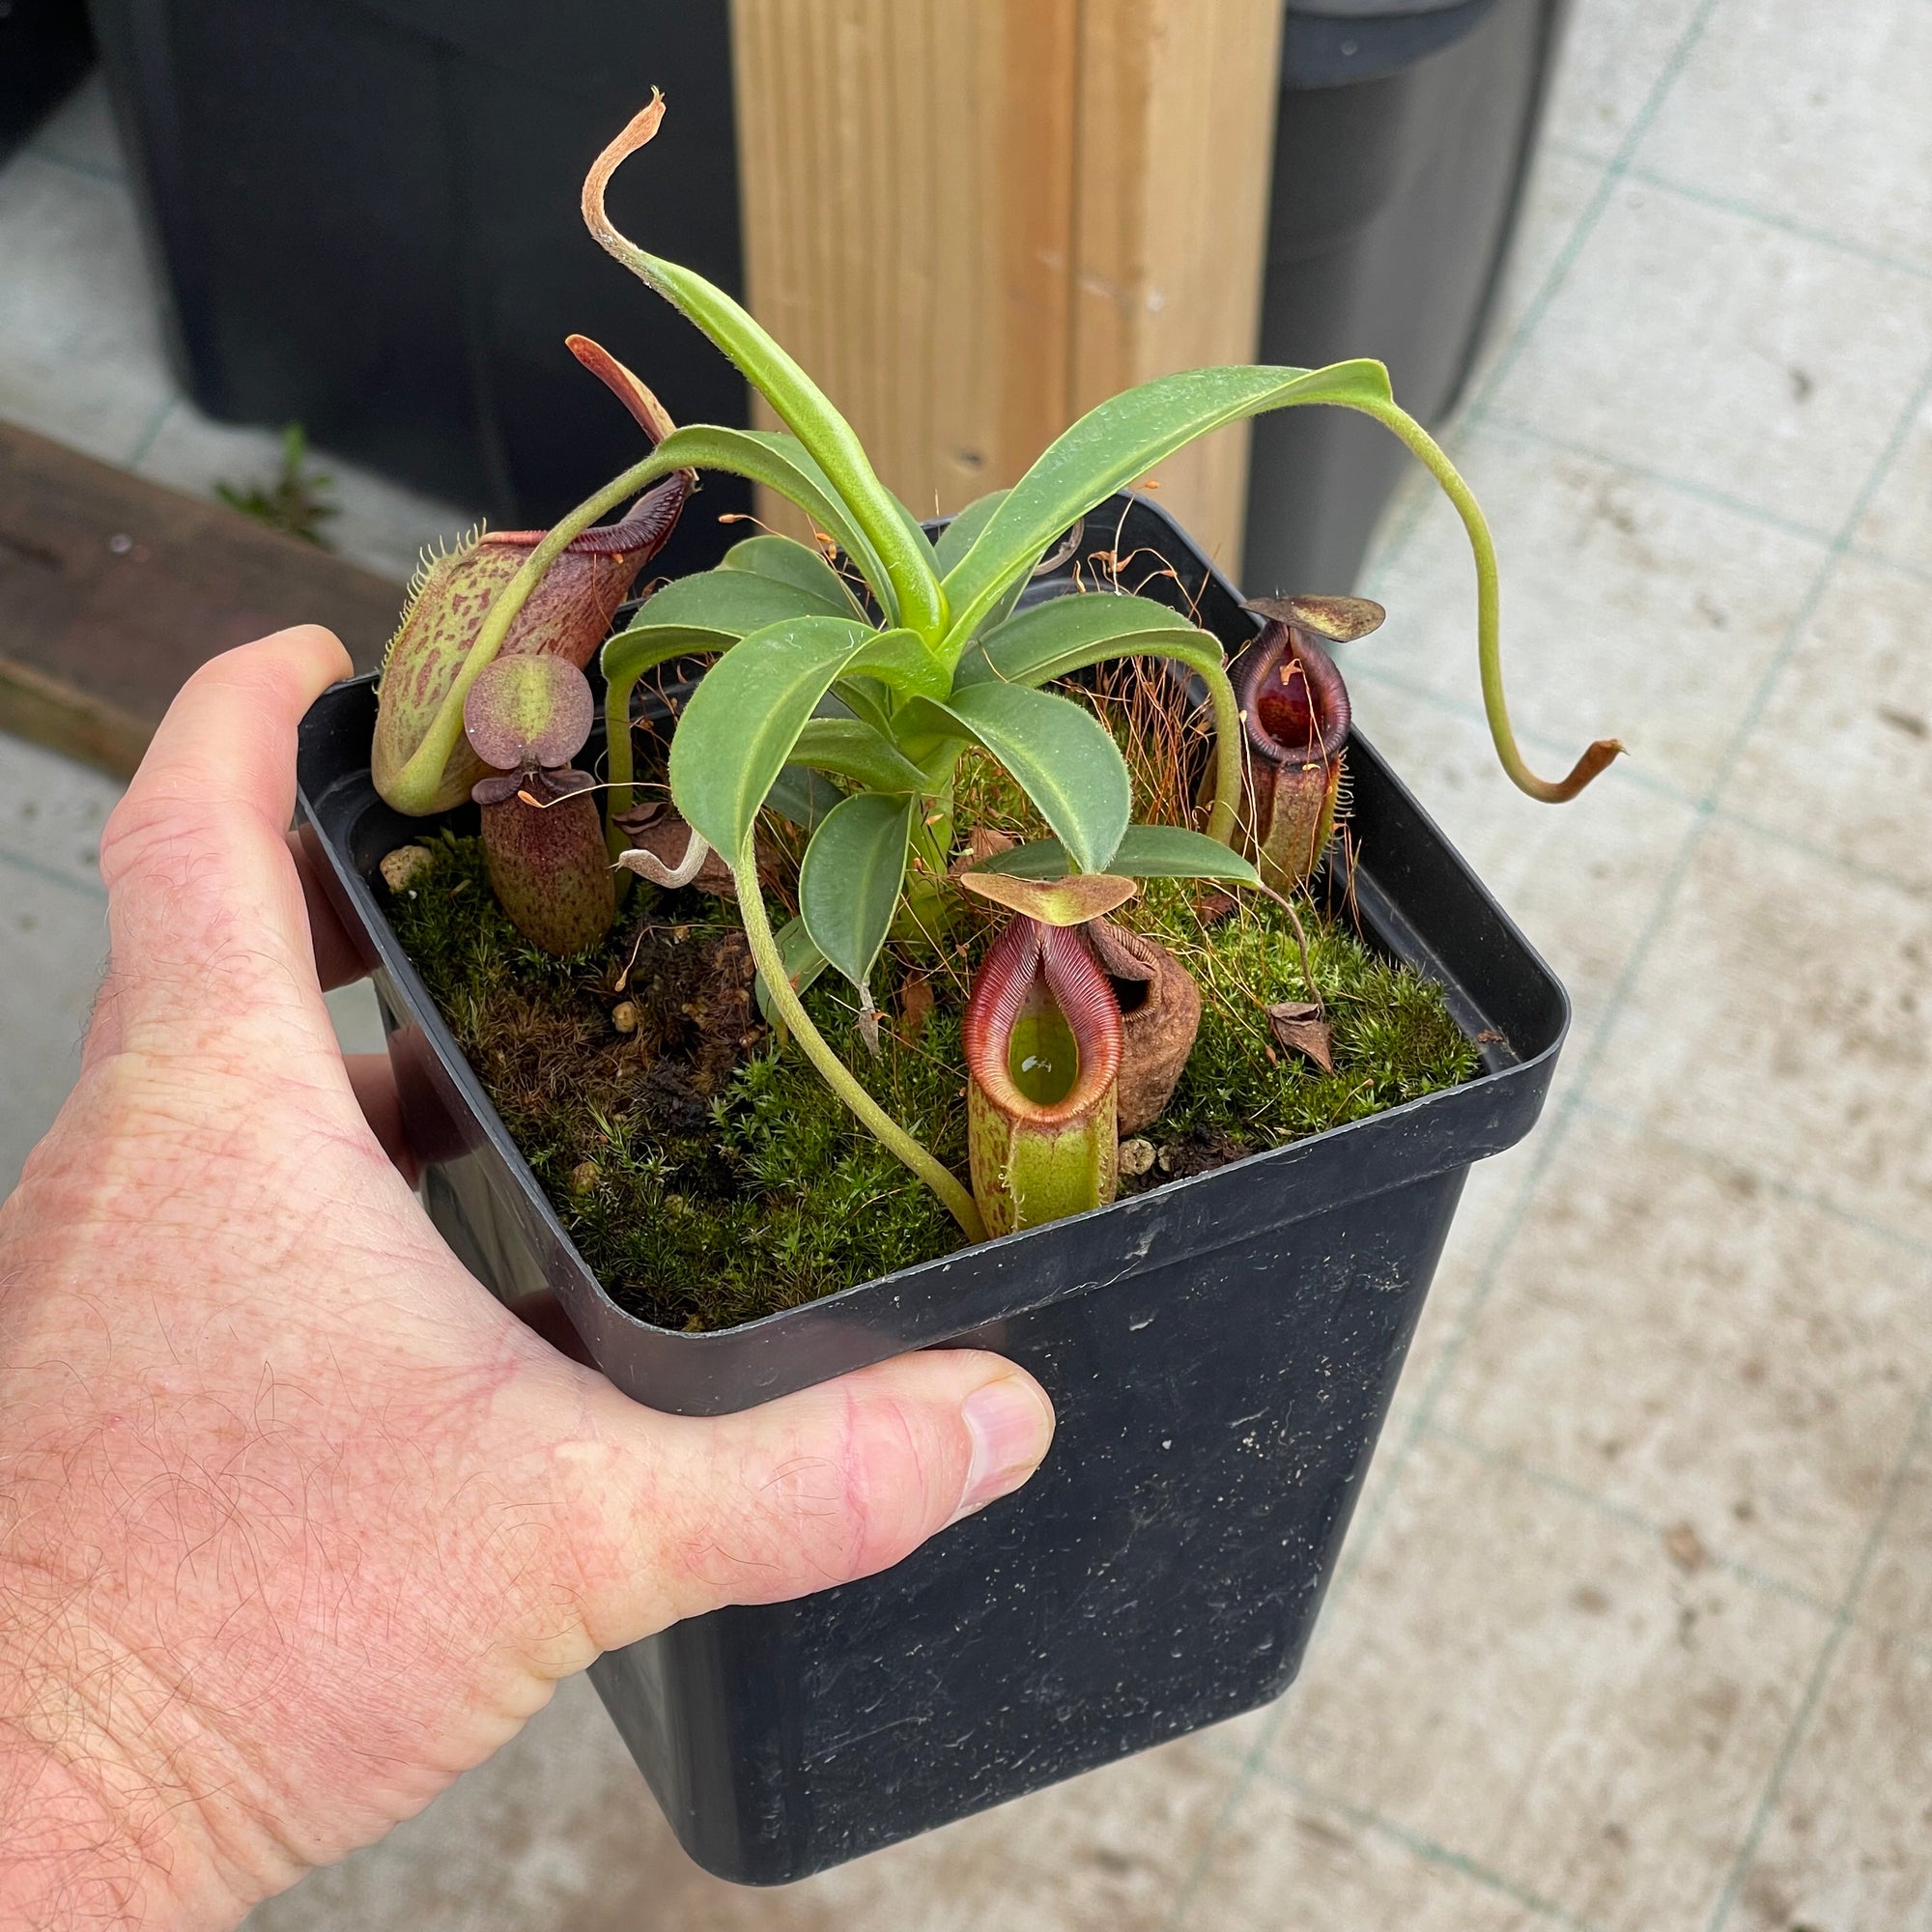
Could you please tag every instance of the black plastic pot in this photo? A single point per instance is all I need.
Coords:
(44, 51)
(365, 214)
(1220, 1354)
(1403, 138)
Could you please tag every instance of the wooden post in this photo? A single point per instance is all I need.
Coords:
(974, 219)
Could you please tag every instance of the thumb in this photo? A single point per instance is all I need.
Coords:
(820, 1488)
(207, 928)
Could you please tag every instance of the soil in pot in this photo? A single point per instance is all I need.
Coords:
(709, 1176)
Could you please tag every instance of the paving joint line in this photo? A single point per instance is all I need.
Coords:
(1872, 553)
(1779, 223)
(144, 442)
(67, 164)
(1626, 1514)
(1769, 1182)
(1814, 1689)
(1525, 431)
(1429, 1849)
(1840, 861)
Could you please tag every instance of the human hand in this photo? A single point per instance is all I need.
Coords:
(297, 1523)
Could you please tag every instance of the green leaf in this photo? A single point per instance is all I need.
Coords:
(783, 463)
(785, 560)
(1145, 852)
(848, 886)
(912, 589)
(713, 610)
(802, 795)
(739, 728)
(803, 964)
(1113, 444)
(1061, 756)
(850, 748)
(1056, 639)
(694, 617)
(1086, 628)
(900, 657)
(963, 532)
(866, 699)
(916, 534)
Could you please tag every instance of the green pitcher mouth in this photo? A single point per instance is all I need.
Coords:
(1042, 1040)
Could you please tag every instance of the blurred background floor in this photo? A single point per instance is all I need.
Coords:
(1635, 1627)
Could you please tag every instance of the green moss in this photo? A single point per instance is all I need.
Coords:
(709, 1177)
(1393, 1037)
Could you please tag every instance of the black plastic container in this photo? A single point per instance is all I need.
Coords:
(365, 215)
(1220, 1354)
(44, 50)
(1402, 139)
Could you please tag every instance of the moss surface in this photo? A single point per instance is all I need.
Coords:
(709, 1177)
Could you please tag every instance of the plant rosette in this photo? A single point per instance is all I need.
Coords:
(848, 698)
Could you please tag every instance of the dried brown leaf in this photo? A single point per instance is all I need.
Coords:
(915, 1008)
(982, 842)
(1300, 1028)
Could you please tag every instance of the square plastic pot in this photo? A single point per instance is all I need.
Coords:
(1220, 1353)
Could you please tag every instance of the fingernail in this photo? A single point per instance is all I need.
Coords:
(1011, 1423)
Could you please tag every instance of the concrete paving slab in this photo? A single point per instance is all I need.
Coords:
(1563, 1705)
(1783, 1019)
(1841, 756)
(1706, 1379)
(1763, 365)
(1796, 110)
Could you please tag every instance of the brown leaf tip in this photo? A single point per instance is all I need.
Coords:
(638, 130)
(1299, 1026)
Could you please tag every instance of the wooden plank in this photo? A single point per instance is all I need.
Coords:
(971, 219)
(907, 182)
(113, 591)
(1175, 145)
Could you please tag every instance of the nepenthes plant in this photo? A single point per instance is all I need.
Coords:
(850, 679)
